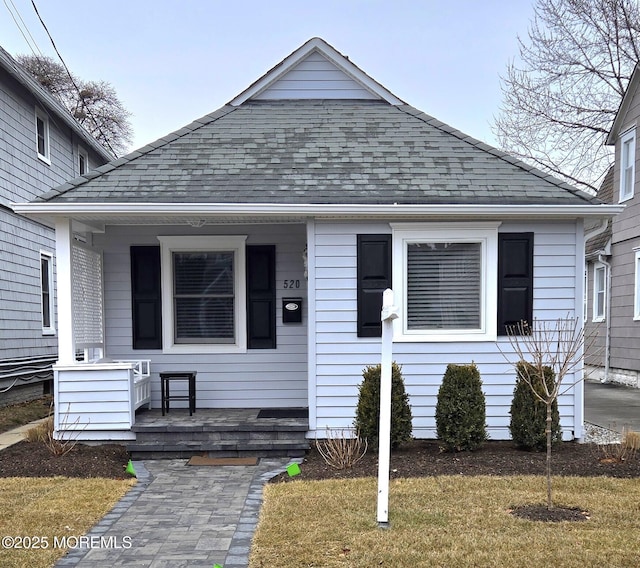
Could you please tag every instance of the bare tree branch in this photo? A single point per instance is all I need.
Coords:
(562, 94)
(94, 104)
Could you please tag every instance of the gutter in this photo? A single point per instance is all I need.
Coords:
(135, 209)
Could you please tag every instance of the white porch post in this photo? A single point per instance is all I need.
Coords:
(66, 343)
(389, 313)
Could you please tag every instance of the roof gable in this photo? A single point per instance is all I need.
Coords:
(316, 70)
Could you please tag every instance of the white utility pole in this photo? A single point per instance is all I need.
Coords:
(389, 313)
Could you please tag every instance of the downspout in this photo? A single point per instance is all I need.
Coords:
(607, 309)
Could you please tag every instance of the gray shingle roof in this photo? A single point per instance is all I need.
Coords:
(319, 152)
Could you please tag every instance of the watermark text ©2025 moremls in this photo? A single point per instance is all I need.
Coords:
(72, 542)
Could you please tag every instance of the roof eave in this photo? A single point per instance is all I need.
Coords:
(386, 211)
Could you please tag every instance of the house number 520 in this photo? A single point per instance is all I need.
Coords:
(292, 283)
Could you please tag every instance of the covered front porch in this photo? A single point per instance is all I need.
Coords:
(122, 323)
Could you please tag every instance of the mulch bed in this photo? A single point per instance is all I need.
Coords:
(34, 459)
(418, 458)
(421, 458)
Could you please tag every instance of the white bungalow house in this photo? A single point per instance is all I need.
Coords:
(253, 245)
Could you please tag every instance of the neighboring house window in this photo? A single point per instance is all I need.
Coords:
(204, 293)
(599, 291)
(42, 136)
(445, 278)
(46, 291)
(636, 295)
(627, 165)
(83, 161)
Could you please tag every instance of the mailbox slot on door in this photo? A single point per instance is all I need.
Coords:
(291, 310)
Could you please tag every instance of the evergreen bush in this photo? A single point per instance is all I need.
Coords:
(461, 409)
(529, 413)
(367, 421)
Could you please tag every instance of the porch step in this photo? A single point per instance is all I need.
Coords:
(236, 433)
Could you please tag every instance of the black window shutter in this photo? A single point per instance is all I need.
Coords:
(146, 297)
(515, 279)
(374, 277)
(261, 296)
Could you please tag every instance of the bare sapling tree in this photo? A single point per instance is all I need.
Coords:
(556, 344)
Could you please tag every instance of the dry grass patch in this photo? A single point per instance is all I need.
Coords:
(51, 507)
(20, 414)
(447, 521)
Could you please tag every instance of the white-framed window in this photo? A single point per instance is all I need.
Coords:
(46, 293)
(83, 161)
(636, 287)
(42, 136)
(203, 294)
(627, 165)
(599, 291)
(445, 281)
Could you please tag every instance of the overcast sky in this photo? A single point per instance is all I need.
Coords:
(174, 61)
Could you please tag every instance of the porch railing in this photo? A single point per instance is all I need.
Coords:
(141, 391)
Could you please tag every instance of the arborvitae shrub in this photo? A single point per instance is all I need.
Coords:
(460, 409)
(367, 421)
(529, 413)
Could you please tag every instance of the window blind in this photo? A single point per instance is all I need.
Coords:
(204, 297)
(444, 285)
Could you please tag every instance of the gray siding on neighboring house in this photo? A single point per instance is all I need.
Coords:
(257, 378)
(624, 363)
(21, 334)
(23, 177)
(341, 356)
(625, 331)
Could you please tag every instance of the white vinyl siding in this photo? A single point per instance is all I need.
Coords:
(599, 291)
(315, 77)
(340, 356)
(627, 165)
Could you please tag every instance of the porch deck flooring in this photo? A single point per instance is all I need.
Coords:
(243, 419)
(220, 432)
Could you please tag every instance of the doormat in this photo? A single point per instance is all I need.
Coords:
(204, 460)
(284, 413)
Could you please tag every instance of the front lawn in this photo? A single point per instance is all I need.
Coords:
(447, 521)
(20, 414)
(39, 515)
